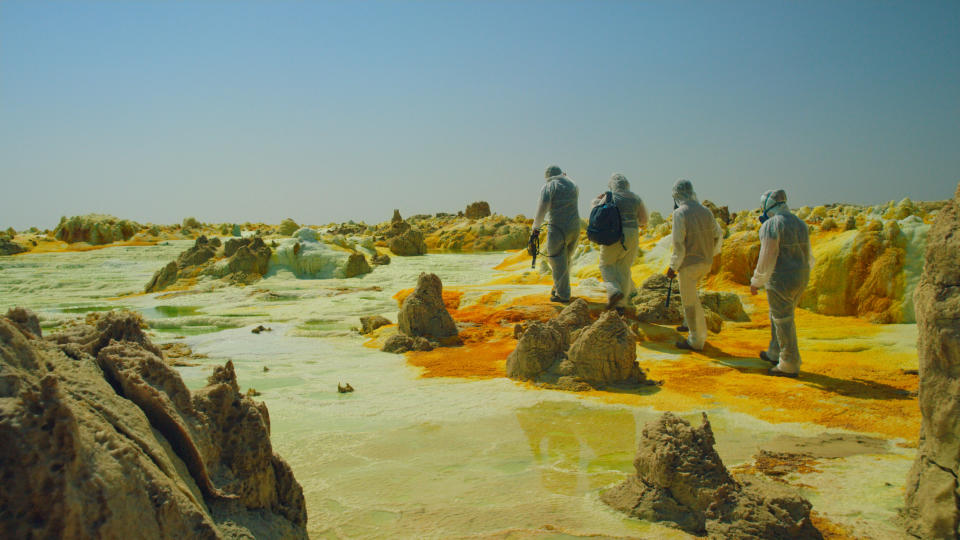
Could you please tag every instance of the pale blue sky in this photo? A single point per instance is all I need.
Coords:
(256, 111)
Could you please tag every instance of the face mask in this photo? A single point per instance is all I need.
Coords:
(764, 217)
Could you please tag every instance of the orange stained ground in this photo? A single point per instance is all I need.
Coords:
(855, 375)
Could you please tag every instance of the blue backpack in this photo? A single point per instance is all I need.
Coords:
(605, 227)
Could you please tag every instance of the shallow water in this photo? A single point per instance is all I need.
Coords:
(404, 455)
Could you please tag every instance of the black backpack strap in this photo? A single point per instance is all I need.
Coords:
(623, 242)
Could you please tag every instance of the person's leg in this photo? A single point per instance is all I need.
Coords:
(692, 309)
(570, 243)
(782, 308)
(632, 241)
(773, 349)
(609, 269)
(560, 248)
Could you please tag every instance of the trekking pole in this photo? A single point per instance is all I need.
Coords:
(669, 292)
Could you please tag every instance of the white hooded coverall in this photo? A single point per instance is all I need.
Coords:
(697, 239)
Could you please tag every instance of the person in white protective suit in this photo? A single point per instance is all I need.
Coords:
(697, 239)
(617, 259)
(558, 202)
(783, 268)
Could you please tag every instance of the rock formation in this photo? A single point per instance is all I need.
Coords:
(423, 313)
(103, 440)
(477, 210)
(721, 213)
(95, 229)
(241, 260)
(862, 275)
(370, 323)
(8, 246)
(739, 256)
(402, 239)
(401, 343)
(573, 352)
(380, 259)
(606, 352)
(288, 227)
(540, 347)
(681, 480)
(933, 492)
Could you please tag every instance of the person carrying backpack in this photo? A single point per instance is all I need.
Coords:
(617, 230)
(558, 201)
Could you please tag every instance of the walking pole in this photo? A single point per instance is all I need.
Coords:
(669, 292)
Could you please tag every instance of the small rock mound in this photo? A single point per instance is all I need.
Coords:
(8, 246)
(423, 313)
(400, 343)
(370, 323)
(477, 210)
(404, 240)
(288, 227)
(681, 480)
(606, 352)
(25, 319)
(538, 349)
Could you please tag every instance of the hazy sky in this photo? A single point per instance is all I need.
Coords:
(256, 111)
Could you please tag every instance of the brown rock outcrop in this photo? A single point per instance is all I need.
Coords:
(477, 210)
(933, 492)
(423, 312)
(95, 229)
(404, 240)
(400, 343)
(681, 480)
(370, 323)
(606, 352)
(8, 246)
(26, 320)
(101, 439)
(408, 243)
(241, 260)
(540, 346)
(288, 227)
(163, 278)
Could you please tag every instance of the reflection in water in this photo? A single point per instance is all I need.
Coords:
(579, 449)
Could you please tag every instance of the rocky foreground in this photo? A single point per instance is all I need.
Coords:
(933, 489)
(100, 438)
(681, 480)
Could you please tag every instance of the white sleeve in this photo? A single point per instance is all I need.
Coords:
(542, 208)
(769, 250)
(679, 237)
(641, 214)
(717, 237)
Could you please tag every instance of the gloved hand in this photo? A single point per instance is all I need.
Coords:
(532, 242)
(671, 273)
